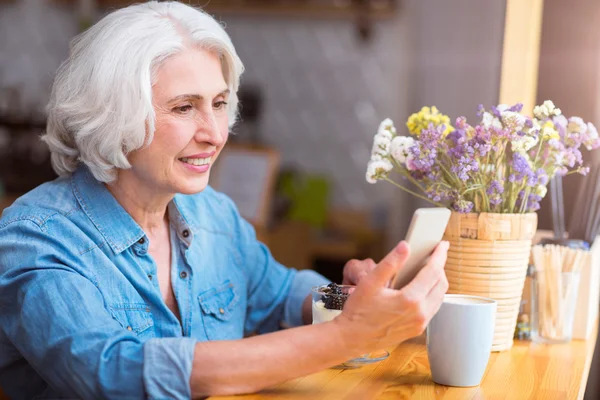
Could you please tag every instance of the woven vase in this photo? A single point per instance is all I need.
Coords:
(488, 257)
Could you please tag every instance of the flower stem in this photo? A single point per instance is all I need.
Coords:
(415, 194)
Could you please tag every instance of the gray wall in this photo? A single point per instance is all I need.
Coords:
(34, 41)
(456, 57)
(325, 93)
(569, 74)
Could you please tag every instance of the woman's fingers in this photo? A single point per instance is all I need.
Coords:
(436, 296)
(391, 263)
(430, 274)
(355, 270)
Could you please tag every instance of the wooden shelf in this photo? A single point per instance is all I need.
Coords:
(379, 9)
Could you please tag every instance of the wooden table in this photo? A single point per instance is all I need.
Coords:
(527, 371)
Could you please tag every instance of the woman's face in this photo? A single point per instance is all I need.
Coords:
(190, 101)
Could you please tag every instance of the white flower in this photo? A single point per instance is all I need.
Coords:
(546, 110)
(559, 159)
(502, 108)
(524, 144)
(386, 125)
(541, 191)
(399, 148)
(549, 105)
(530, 142)
(514, 118)
(576, 125)
(381, 146)
(489, 121)
(378, 169)
(370, 177)
(541, 112)
(384, 134)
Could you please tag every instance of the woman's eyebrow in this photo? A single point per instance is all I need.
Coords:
(185, 97)
(195, 96)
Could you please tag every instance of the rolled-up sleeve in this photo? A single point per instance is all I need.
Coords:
(57, 320)
(168, 367)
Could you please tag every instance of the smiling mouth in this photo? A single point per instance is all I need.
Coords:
(196, 161)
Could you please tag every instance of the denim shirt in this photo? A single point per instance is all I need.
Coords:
(81, 312)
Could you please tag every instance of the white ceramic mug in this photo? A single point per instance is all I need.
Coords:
(459, 339)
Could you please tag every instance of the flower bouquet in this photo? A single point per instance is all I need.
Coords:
(492, 175)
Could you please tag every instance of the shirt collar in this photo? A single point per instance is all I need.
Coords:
(108, 216)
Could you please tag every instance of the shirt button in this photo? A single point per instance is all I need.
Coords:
(150, 276)
(183, 274)
(185, 233)
(142, 241)
(129, 328)
(221, 311)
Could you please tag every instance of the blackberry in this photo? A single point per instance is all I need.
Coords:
(335, 298)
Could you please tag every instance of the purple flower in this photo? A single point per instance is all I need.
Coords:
(495, 187)
(465, 165)
(480, 110)
(496, 112)
(481, 146)
(461, 123)
(424, 153)
(494, 192)
(462, 206)
(542, 177)
(516, 108)
(533, 201)
(521, 170)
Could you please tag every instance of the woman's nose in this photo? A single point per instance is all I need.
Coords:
(208, 130)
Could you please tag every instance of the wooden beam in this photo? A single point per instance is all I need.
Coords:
(269, 8)
(521, 53)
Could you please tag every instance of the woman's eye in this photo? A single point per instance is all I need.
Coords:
(183, 109)
(220, 104)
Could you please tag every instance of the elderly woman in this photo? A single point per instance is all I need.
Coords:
(128, 276)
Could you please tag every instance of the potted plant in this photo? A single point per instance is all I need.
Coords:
(492, 175)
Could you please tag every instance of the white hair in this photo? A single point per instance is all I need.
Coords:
(101, 103)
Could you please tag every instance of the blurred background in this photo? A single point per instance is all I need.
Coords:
(320, 76)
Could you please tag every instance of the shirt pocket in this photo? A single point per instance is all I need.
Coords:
(221, 312)
(135, 317)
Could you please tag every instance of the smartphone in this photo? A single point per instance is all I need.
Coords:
(425, 232)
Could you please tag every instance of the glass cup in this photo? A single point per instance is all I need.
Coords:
(326, 305)
(553, 302)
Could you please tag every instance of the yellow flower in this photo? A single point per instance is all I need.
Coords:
(549, 131)
(421, 120)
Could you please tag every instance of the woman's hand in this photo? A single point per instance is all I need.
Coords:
(355, 270)
(375, 316)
